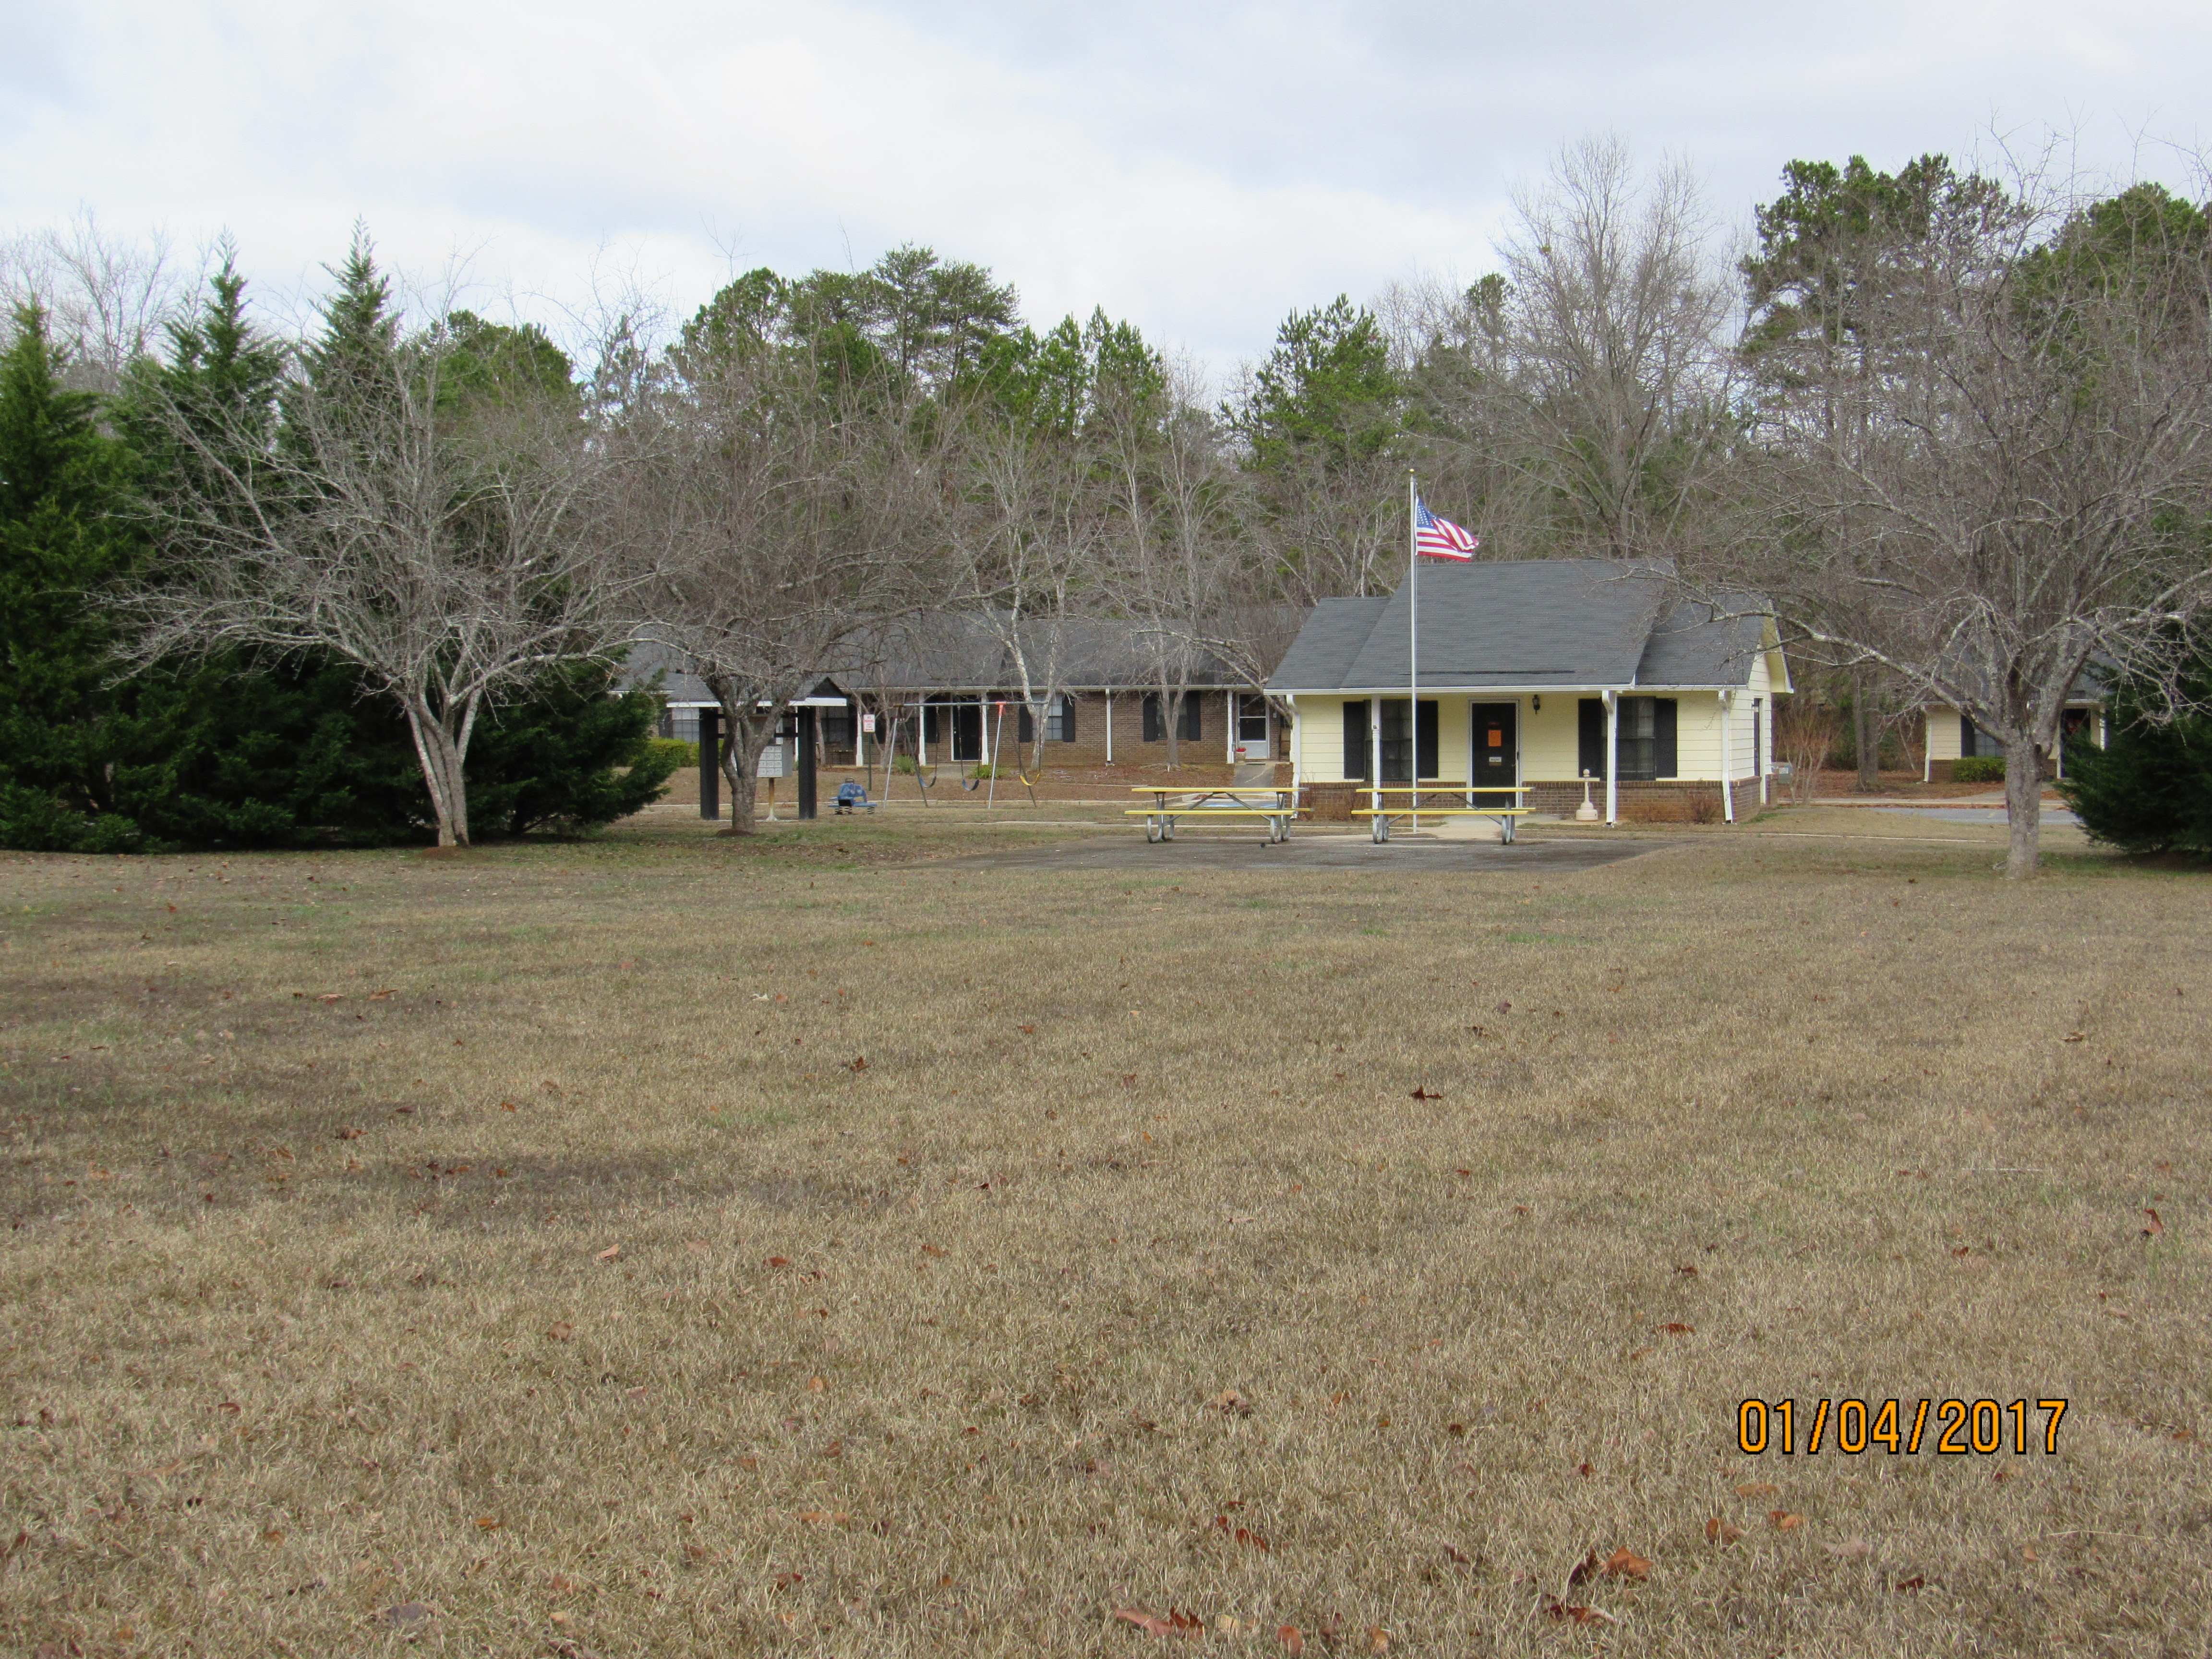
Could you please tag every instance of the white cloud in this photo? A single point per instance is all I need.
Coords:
(1200, 168)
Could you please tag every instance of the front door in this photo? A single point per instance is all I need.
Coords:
(967, 730)
(1496, 758)
(1252, 740)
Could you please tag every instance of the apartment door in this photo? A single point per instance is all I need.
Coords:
(1252, 736)
(1496, 751)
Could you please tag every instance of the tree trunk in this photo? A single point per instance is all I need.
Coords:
(2023, 804)
(1866, 732)
(750, 731)
(1171, 713)
(444, 762)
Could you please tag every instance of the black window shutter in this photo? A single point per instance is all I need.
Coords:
(1590, 755)
(932, 724)
(1153, 731)
(1425, 757)
(1067, 717)
(1027, 734)
(1355, 739)
(1968, 737)
(1191, 728)
(1664, 712)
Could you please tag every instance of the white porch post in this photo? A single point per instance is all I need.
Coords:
(1109, 725)
(1728, 758)
(1297, 750)
(1613, 757)
(1762, 745)
(1230, 700)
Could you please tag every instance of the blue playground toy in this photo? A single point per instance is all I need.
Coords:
(852, 796)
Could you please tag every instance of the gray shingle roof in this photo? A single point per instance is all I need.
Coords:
(1536, 622)
(1695, 644)
(952, 652)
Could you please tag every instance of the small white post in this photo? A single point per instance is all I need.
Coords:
(1109, 725)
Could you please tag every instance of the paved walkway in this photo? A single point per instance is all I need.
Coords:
(1316, 852)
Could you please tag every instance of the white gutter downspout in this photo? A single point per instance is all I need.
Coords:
(1728, 758)
(1613, 759)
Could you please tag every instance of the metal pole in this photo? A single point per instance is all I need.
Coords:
(1413, 647)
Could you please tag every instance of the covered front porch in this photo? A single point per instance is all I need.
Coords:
(1629, 752)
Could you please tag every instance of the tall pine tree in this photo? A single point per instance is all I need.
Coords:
(61, 538)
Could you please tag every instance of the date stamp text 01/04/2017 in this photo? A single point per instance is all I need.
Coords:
(1854, 1427)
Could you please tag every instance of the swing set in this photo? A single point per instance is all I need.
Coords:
(927, 775)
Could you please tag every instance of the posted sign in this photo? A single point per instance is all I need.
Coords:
(771, 760)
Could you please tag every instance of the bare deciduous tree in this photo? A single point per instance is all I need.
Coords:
(777, 519)
(108, 296)
(1581, 400)
(448, 546)
(2007, 478)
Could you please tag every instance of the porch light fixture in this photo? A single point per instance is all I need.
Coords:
(1535, 705)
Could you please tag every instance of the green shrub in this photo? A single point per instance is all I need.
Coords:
(679, 754)
(2151, 790)
(904, 765)
(1978, 769)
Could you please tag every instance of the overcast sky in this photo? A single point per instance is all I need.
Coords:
(1199, 168)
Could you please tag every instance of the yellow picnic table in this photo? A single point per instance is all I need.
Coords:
(1170, 803)
(1381, 811)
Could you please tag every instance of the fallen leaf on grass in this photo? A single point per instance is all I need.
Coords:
(1784, 1521)
(1851, 1549)
(405, 1615)
(385, 996)
(1756, 1488)
(1676, 1327)
(1378, 1639)
(1719, 1531)
(817, 1385)
(1624, 1563)
(860, 1062)
(1231, 1403)
(490, 1522)
(1293, 1643)
(1175, 1624)
(1580, 1615)
(2156, 1226)
(1912, 1584)
(351, 1134)
(1459, 1557)
(608, 1254)
(1587, 1571)
(560, 1330)
(779, 1261)
(1422, 1092)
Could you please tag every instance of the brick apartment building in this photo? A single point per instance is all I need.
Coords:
(945, 689)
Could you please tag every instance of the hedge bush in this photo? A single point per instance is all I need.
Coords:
(1978, 769)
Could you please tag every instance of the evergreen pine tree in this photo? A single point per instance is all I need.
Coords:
(61, 480)
(2149, 790)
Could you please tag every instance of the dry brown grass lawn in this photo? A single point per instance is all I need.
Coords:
(521, 1235)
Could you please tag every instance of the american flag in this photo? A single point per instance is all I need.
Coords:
(1440, 538)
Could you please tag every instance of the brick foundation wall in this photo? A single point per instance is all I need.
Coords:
(1666, 802)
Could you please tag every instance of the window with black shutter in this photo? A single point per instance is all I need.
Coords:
(1026, 731)
(1192, 731)
(1355, 739)
(1589, 737)
(1665, 712)
(1061, 729)
(1156, 730)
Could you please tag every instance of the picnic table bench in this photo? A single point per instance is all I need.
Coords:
(1381, 811)
(1169, 804)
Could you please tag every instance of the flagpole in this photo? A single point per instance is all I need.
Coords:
(1413, 646)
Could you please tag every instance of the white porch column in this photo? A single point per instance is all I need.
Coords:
(1297, 750)
(1762, 745)
(1109, 725)
(1230, 702)
(1728, 758)
(1613, 757)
